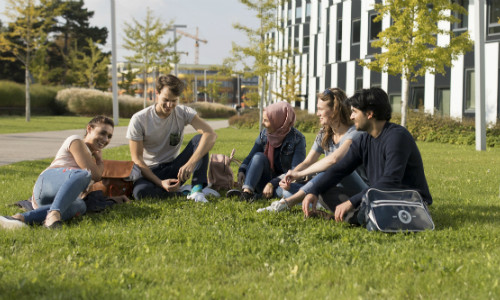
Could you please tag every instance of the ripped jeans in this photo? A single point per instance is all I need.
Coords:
(59, 189)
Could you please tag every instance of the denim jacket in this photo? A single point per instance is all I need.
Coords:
(292, 152)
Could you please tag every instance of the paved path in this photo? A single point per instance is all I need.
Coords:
(39, 145)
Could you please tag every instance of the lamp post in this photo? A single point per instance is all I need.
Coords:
(174, 29)
(114, 86)
(205, 75)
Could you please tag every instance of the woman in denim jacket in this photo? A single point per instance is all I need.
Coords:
(278, 148)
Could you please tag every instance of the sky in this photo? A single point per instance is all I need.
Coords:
(214, 19)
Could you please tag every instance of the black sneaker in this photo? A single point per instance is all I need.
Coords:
(233, 193)
(245, 196)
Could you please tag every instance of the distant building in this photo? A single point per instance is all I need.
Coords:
(332, 35)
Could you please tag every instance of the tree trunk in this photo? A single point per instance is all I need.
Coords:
(28, 100)
(145, 87)
(262, 100)
(404, 99)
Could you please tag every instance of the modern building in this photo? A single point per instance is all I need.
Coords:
(331, 35)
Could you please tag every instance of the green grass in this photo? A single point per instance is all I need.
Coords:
(225, 249)
(18, 124)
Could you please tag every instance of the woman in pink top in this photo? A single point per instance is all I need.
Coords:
(56, 195)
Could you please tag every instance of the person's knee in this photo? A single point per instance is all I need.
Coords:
(83, 177)
(259, 158)
(141, 189)
(196, 140)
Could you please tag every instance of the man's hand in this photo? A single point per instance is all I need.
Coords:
(268, 190)
(284, 184)
(185, 172)
(308, 200)
(170, 185)
(342, 209)
(290, 176)
(241, 178)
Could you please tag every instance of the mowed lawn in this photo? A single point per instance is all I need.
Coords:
(226, 250)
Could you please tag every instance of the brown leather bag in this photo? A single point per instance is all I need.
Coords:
(220, 175)
(112, 182)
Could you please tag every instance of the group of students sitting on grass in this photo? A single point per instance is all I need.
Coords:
(361, 149)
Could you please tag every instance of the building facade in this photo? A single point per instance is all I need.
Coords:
(332, 35)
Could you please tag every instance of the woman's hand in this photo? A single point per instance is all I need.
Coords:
(97, 154)
(284, 184)
(268, 190)
(291, 175)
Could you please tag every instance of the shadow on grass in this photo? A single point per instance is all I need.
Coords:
(455, 216)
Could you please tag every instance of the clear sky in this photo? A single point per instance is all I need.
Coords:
(214, 19)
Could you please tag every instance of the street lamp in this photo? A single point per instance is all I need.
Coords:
(174, 29)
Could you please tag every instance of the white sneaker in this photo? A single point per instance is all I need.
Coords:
(210, 192)
(198, 197)
(276, 206)
(11, 223)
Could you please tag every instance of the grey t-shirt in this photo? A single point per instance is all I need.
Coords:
(162, 138)
(349, 135)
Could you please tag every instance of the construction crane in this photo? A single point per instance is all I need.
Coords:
(196, 44)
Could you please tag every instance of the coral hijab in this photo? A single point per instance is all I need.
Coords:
(282, 118)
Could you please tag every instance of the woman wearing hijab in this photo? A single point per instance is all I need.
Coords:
(278, 148)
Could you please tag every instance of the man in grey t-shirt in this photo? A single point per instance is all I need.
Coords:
(156, 134)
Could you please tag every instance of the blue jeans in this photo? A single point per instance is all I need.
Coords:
(351, 184)
(58, 189)
(258, 173)
(144, 188)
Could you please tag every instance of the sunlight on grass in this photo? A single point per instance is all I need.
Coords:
(225, 249)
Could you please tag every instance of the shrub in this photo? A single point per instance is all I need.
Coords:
(12, 97)
(212, 110)
(89, 102)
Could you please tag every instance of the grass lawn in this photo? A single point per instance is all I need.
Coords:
(18, 124)
(225, 249)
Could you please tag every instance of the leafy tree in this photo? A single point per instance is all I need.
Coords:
(128, 80)
(410, 43)
(90, 70)
(188, 93)
(251, 99)
(10, 68)
(260, 48)
(72, 28)
(145, 40)
(213, 89)
(291, 79)
(28, 21)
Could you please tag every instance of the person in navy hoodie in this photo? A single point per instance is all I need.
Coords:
(386, 150)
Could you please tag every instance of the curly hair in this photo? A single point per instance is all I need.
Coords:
(341, 111)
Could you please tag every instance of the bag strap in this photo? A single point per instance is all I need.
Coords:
(231, 157)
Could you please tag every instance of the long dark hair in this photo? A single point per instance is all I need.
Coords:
(341, 112)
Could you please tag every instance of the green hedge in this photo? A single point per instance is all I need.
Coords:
(423, 127)
(212, 110)
(13, 98)
(89, 102)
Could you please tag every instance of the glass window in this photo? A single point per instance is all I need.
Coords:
(417, 98)
(358, 83)
(356, 31)
(443, 102)
(463, 19)
(298, 12)
(308, 9)
(470, 90)
(375, 28)
(339, 40)
(395, 102)
(494, 17)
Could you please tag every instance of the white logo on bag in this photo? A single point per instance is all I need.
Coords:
(404, 216)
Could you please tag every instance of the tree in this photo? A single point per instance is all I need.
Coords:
(128, 78)
(213, 88)
(90, 70)
(291, 79)
(72, 28)
(410, 46)
(28, 22)
(10, 69)
(145, 40)
(260, 49)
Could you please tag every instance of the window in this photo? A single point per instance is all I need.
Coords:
(339, 40)
(395, 101)
(358, 84)
(375, 27)
(417, 98)
(289, 11)
(298, 12)
(308, 9)
(470, 91)
(442, 104)
(463, 22)
(493, 17)
(356, 31)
